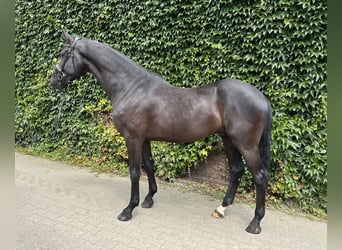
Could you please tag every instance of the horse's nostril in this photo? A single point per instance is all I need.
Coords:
(60, 76)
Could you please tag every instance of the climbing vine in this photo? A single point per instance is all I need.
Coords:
(278, 46)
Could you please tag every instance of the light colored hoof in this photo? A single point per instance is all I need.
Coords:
(217, 214)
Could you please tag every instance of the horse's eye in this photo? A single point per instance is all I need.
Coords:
(64, 52)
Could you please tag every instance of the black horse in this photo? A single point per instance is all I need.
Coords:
(146, 107)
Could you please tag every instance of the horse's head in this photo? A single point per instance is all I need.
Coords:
(71, 64)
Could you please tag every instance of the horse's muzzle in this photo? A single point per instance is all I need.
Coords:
(56, 83)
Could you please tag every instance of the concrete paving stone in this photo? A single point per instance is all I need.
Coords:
(59, 206)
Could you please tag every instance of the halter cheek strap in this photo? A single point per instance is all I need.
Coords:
(72, 46)
(58, 68)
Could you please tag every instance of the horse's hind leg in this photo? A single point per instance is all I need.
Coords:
(260, 177)
(236, 170)
(149, 167)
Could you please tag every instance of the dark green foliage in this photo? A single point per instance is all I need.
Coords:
(278, 46)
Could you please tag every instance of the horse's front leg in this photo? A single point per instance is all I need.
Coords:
(149, 168)
(134, 148)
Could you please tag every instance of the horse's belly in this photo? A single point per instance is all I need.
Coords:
(184, 130)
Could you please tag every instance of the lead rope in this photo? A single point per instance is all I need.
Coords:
(56, 123)
(63, 94)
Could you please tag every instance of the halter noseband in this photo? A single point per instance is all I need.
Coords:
(60, 70)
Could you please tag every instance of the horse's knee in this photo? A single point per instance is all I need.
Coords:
(149, 165)
(135, 174)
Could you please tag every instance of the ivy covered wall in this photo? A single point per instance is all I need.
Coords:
(278, 46)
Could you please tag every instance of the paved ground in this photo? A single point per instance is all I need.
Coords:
(64, 207)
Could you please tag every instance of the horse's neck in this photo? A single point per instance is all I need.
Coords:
(116, 73)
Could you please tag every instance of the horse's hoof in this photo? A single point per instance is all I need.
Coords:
(147, 203)
(216, 214)
(252, 229)
(124, 217)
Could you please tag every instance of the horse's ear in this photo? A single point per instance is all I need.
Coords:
(68, 38)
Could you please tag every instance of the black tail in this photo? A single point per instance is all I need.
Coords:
(265, 141)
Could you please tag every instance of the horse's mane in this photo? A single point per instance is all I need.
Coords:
(109, 50)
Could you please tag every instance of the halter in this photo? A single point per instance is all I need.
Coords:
(60, 70)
